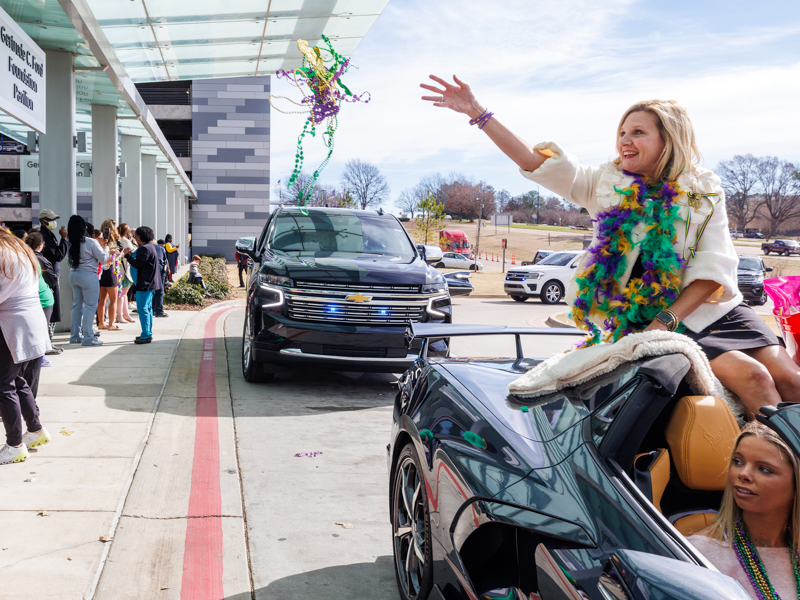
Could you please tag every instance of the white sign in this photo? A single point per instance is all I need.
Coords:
(29, 173)
(22, 69)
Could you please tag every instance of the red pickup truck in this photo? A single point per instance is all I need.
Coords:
(785, 247)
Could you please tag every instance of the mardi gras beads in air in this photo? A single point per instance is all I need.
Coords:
(323, 95)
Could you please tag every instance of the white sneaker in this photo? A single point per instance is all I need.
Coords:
(9, 454)
(34, 440)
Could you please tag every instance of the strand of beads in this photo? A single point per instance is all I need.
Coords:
(748, 557)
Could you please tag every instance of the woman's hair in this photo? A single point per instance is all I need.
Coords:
(113, 236)
(34, 240)
(76, 233)
(729, 511)
(168, 238)
(11, 245)
(675, 126)
(123, 229)
(145, 234)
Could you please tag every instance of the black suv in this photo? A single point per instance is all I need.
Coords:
(751, 279)
(336, 288)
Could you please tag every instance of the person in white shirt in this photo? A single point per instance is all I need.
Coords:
(24, 338)
(661, 257)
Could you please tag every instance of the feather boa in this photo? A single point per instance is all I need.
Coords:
(599, 291)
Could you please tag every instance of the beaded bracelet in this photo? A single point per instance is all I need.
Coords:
(482, 119)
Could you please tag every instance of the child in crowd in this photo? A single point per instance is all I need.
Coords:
(195, 276)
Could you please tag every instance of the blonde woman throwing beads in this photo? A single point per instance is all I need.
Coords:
(661, 255)
(755, 536)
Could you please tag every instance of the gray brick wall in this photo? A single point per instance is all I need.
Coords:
(230, 161)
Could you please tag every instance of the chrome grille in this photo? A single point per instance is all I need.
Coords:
(387, 305)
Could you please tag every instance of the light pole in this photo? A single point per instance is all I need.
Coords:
(478, 243)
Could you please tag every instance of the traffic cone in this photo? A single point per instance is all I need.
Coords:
(513, 259)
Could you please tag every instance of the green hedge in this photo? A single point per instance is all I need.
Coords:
(215, 275)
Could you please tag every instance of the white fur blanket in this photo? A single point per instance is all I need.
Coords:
(579, 366)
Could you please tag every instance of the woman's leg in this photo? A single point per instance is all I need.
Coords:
(77, 307)
(101, 308)
(91, 294)
(9, 401)
(785, 372)
(747, 378)
(112, 306)
(122, 306)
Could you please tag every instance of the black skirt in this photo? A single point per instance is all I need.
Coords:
(740, 329)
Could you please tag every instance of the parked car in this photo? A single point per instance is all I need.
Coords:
(755, 235)
(458, 283)
(12, 197)
(431, 254)
(548, 279)
(451, 260)
(736, 234)
(538, 257)
(751, 279)
(335, 288)
(570, 495)
(785, 247)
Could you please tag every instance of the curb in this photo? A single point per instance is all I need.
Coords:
(560, 321)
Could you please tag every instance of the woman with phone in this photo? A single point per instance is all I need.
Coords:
(110, 277)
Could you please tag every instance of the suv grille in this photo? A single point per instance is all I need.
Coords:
(357, 304)
(747, 278)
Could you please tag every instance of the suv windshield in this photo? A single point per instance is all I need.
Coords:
(342, 234)
(750, 264)
(559, 259)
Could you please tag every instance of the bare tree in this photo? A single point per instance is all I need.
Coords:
(503, 198)
(365, 183)
(408, 201)
(779, 192)
(740, 178)
(429, 184)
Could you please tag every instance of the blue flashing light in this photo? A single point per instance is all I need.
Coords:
(332, 309)
(383, 312)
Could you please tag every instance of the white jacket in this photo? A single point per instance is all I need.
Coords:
(22, 320)
(714, 258)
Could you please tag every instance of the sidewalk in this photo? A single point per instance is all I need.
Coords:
(99, 404)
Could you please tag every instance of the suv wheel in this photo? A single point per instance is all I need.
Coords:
(761, 301)
(766, 251)
(552, 292)
(786, 253)
(439, 265)
(252, 370)
(520, 298)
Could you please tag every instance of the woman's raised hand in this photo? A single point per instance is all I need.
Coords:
(458, 97)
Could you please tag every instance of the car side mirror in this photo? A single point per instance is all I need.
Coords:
(631, 575)
(422, 253)
(573, 266)
(249, 251)
(768, 269)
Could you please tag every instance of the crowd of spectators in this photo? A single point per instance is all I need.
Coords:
(109, 268)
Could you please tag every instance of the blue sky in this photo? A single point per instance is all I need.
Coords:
(562, 71)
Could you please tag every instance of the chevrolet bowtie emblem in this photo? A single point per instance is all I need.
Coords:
(358, 298)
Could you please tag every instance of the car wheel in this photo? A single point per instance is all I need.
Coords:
(766, 251)
(761, 301)
(439, 265)
(252, 370)
(472, 267)
(520, 298)
(552, 292)
(786, 253)
(411, 526)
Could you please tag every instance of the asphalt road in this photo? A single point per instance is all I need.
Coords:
(292, 503)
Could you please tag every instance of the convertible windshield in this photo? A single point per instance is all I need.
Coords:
(559, 259)
(750, 264)
(342, 234)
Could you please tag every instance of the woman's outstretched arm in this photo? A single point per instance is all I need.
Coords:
(459, 98)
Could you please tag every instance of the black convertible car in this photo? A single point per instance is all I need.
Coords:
(587, 493)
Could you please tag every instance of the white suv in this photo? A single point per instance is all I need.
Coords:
(547, 279)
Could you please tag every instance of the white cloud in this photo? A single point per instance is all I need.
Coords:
(564, 71)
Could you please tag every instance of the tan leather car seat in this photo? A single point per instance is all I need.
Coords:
(700, 435)
(656, 466)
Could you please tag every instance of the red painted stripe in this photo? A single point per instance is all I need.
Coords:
(202, 558)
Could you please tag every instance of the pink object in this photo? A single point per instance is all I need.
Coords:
(785, 294)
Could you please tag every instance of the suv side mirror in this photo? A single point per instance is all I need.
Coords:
(249, 251)
(768, 269)
(422, 253)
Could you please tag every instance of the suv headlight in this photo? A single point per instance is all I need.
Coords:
(433, 288)
(271, 295)
(534, 275)
(267, 279)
